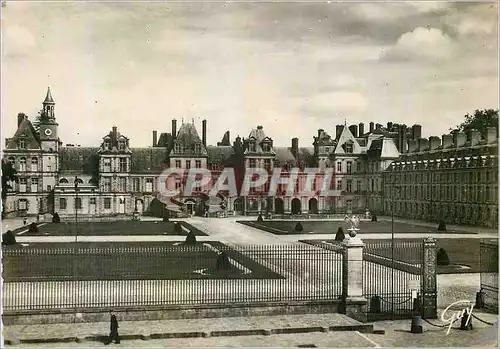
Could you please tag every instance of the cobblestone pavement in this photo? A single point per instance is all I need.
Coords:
(332, 339)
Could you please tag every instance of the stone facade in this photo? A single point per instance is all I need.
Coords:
(453, 178)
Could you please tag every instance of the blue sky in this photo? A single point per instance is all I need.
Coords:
(290, 67)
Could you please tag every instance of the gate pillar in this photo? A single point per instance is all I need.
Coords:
(354, 302)
(429, 280)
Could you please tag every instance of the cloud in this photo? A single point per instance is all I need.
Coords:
(421, 44)
(18, 41)
(473, 26)
(338, 102)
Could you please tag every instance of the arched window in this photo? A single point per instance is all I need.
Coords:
(78, 181)
(12, 160)
(63, 181)
(34, 164)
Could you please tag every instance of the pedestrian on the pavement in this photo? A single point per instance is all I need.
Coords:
(113, 335)
(25, 220)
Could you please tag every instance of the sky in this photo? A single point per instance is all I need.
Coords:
(290, 67)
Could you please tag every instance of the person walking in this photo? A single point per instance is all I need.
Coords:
(113, 335)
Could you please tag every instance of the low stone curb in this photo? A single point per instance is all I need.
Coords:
(363, 328)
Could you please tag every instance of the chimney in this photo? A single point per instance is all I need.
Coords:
(259, 127)
(423, 144)
(474, 137)
(20, 118)
(447, 141)
(378, 126)
(295, 146)
(237, 144)
(459, 139)
(361, 129)
(371, 126)
(434, 142)
(114, 133)
(402, 138)
(338, 131)
(416, 131)
(174, 129)
(204, 132)
(412, 145)
(354, 130)
(320, 131)
(155, 138)
(389, 126)
(491, 134)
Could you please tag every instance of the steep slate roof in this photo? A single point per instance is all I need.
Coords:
(306, 156)
(219, 154)
(188, 134)
(48, 98)
(284, 156)
(148, 160)
(78, 159)
(26, 131)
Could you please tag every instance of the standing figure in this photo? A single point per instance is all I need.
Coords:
(113, 335)
(25, 220)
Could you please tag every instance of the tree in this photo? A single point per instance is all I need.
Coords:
(9, 174)
(480, 121)
(41, 117)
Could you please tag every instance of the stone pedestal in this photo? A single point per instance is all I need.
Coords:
(352, 278)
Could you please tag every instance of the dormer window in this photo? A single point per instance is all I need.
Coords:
(177, 148)
(266, 146)
(348, 148)
(121, 145)
(252, 147)
(107, 144)
(22, 144)
(197, 148)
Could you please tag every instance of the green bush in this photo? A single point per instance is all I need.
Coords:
(191, 238)
(442, 257)
(299, 227)
(178, 227)
(340, 236)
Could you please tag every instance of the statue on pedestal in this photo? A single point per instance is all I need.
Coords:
(354, 222)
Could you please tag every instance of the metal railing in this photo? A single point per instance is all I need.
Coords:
(161, 274)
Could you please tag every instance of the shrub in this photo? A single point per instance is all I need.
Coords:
(374, 218)
(223, 263)
(442, 226)
(299, 227)
(8, 238)
(442, 257)
(178, 227)
(56, 218)
(259, 218)
(340, 234)
(191, 238)
(33, 228)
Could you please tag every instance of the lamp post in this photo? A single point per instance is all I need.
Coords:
(392, 247)
(76, 209)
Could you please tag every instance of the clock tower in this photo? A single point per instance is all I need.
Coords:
(49, 143)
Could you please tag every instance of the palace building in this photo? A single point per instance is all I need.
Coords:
(115, 178)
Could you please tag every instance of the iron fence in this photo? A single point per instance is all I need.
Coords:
(488, 261)
(81, 276)
(391, 284)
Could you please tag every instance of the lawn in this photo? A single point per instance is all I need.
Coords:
(112, 228)
(461, 252)
(126, 261)
(331, 227)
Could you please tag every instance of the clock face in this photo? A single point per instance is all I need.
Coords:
(48, 132)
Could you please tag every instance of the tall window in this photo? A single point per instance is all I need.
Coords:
(197, 148)
(123, 165)
(63, 204)
(149, 185)
(34, 164)
(349, 185)
(23, 204)
(78, 203)
(177, 148)
(267, 164)
(122, 184)
(107, 164)
(22, 185)
(358, 166)
(22, 144)
(349, 167)
(360, 186)
(252, 163)
(177, 163)
(34, 185)
(339, 185)
(22, 164)
(197, 163)
(106, 184)
(266, 146)
(107, 144)
(339, 167)
(348, 148)
(121, 145)
(136, 184)
(107, 203)
(12, 160)
(188, 164)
